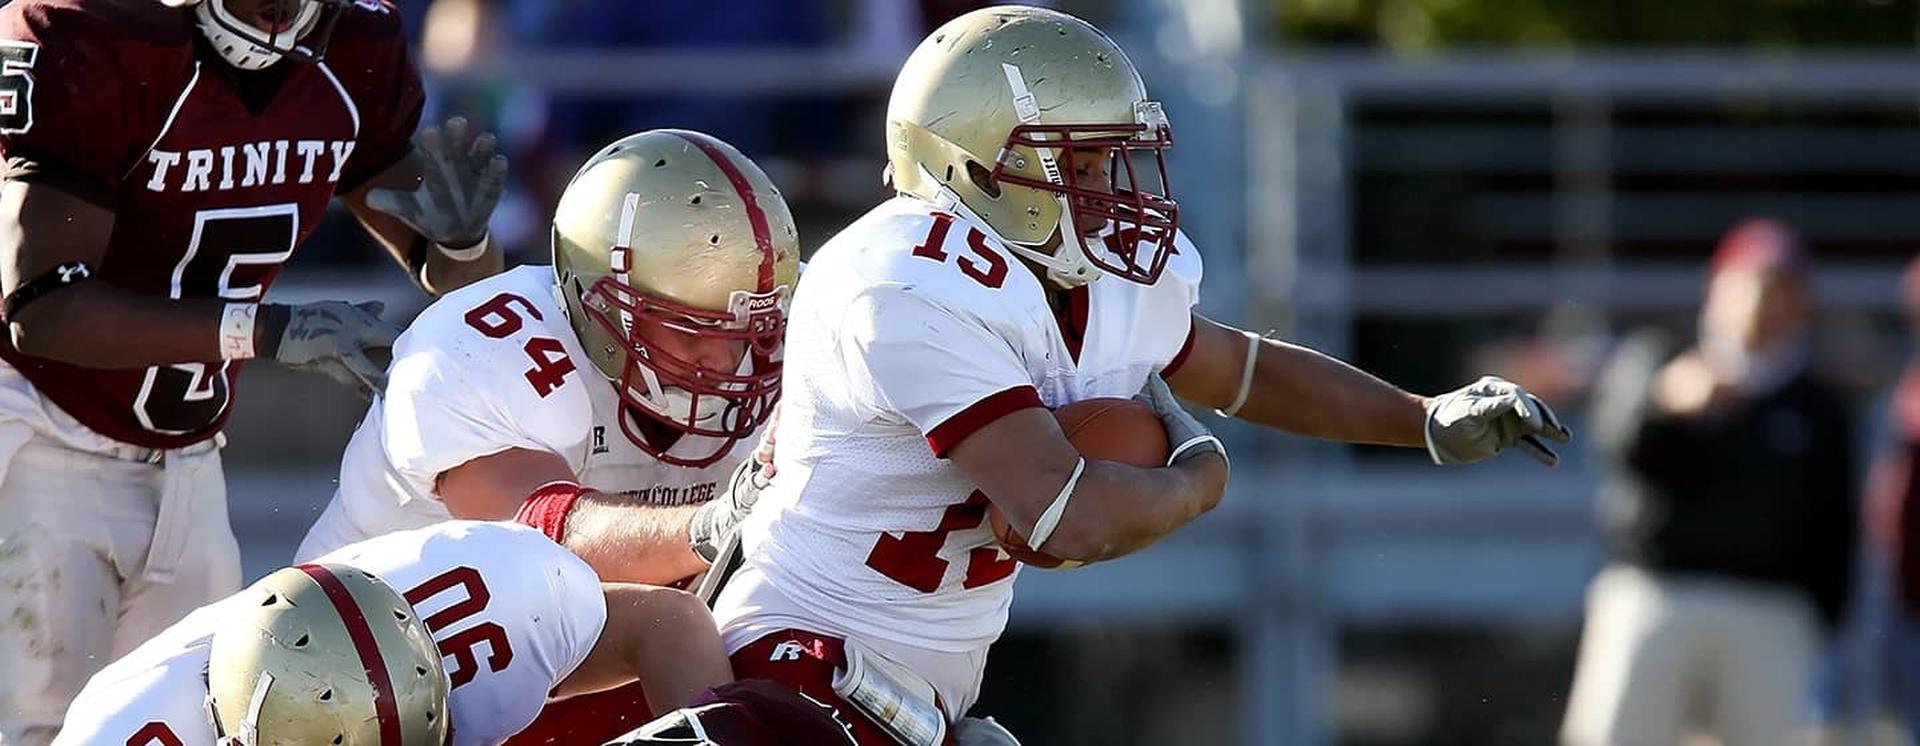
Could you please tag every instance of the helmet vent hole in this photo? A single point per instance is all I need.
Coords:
(337, 740)
(400, 616)
(420, 671)
(326, 695)
(695, 200)
(659, 163)
(714, 239)
(272, 598)
(983, 179)
(949, 172)
(301, 643)
(432, 716)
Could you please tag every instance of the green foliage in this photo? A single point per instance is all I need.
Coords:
(1414, 25)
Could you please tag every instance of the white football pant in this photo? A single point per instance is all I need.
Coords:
(91, 565)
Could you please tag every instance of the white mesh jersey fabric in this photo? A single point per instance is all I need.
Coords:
(889, 339)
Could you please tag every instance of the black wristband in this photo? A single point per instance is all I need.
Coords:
(62, 275)
(274, 318)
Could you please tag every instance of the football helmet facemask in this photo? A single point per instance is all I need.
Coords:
(677, 231)
(300, 29)
(999, 108)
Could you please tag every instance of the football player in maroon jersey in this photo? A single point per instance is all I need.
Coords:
(158, 164)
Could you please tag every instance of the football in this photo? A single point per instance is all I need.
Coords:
(1108, 429)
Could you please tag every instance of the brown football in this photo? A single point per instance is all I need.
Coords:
(1108, 429)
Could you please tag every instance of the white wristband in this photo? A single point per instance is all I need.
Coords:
(468, 254)
(236, 330)
(1246, 377)
(1050, 519)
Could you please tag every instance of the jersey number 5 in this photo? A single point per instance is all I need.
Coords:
(460, 645)
(16, 86)
(497, 319)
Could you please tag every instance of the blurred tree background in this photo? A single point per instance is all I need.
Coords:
(1417, 25)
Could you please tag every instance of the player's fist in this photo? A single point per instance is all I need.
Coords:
(716, 521)
(1186, 437)
(1491, 415)
(461, 179)
(347, 342)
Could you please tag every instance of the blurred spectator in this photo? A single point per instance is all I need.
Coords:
(1893, 499)
(1730, 521)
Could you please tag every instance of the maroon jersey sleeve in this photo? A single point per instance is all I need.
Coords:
(369, 55)
(79, 87)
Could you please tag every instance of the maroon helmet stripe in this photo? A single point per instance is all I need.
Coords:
(762, 234)
(385, 706)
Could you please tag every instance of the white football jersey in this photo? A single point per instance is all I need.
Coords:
(912, 328)
(492, 366)
(514, 615)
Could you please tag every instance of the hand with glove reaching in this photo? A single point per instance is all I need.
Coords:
(714, 522)
(1489, 416)
(1186, 437)
(461, 180)
(347, 342)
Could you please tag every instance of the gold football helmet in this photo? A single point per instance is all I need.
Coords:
(676, 230)
(998, 106)
(325, 654)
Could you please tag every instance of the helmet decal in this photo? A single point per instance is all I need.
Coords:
(384, 706)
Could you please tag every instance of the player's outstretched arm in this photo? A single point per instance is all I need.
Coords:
(663, 637)
(430, 208)
(1022, 462)
(623, 539)
(1302, 391)
(52, 245)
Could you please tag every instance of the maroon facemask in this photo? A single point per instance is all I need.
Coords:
(736, 403)
(1144, 213)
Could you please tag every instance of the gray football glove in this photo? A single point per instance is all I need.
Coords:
(1186, 437)
(461, 179)
(721, 516)
(1489, 416)
(347, 342)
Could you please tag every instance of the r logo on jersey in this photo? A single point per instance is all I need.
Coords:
(787, 651)
(599, 439)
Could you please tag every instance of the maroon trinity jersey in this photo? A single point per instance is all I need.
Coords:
(118, 102)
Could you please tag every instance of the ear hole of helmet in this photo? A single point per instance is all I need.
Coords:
(982, 178)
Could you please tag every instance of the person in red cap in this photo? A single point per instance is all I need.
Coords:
(1729, 518)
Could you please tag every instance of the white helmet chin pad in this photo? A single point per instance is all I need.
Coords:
(219, 24)
(676, 404)
(1067, 266)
